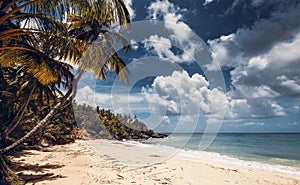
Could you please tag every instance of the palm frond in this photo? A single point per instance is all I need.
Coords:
(118, 38)
(40, 66)
(123, 14)
(6, 16)
(52, 8)
(62, 47)
(40, 22)
(11, 33)
(103, 12)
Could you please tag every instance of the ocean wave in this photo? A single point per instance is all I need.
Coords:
(216, 158)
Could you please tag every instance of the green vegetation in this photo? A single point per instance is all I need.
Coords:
(35, 44)
(105, 124)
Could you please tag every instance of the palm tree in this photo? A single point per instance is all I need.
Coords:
(51, 71)
(34, 42)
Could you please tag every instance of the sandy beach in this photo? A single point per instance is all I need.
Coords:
(114, 162)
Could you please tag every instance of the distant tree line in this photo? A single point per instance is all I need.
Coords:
(101, 123)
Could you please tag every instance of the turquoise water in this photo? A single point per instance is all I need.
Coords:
(282, 149)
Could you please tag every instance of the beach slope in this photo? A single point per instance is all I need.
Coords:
(78, 163)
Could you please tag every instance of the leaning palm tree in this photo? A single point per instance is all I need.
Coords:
(35, 43)
(93, 14)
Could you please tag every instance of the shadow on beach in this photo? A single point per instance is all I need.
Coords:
(32, 173)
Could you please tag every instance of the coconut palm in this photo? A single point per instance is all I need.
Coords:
(34, 43)
(37, 48)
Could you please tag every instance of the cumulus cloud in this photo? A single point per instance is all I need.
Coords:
(277, 69)
(265, 108)
(162, 46)
(180, 34)
(264, 91)
(265, 58)
(281, 27)
(238, 108)
(180, 94)
(292, 87)
(258, 62)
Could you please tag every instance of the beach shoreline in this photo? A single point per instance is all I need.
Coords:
(115, 162)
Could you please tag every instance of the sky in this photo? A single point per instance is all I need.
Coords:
(208, 66)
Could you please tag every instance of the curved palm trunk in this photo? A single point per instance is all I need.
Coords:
(18, 116)
(7, 176)
(44, 121)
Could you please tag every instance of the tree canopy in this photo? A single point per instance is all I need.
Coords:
(40, 43)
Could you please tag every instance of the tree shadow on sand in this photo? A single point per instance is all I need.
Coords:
(32, 173)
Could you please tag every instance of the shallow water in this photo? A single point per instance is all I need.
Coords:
(278, 149)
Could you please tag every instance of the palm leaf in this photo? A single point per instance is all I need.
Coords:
(40, 22)
(11, 33)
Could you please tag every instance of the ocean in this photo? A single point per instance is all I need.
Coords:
(267, 148)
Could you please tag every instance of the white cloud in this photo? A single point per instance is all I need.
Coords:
(184, 95)
(281, 54)
(181, 94)
(292, 86)
(225, 51)
(275, 33)
(166, 119)
(208, 2)
(160, 8)
(85, 95)
(266, 62)
(238, 108)
(180, 34)
(258, 62)
(277, 109)
(264, 91)
(261, 108)
(134, 45)
(162, 46)
(118, 102)
(254, 124)
(293, 124)
(296, 109)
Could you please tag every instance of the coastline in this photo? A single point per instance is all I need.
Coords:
(114, 162)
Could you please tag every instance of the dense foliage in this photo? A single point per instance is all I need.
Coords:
(38, 41)
(105, 124)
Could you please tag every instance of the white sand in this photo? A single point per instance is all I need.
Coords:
(118, 163)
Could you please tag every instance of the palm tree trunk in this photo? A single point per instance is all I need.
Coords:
(7, 176)
(18, 116)
(44, 121)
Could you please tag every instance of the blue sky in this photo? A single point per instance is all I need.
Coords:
(209, 65)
